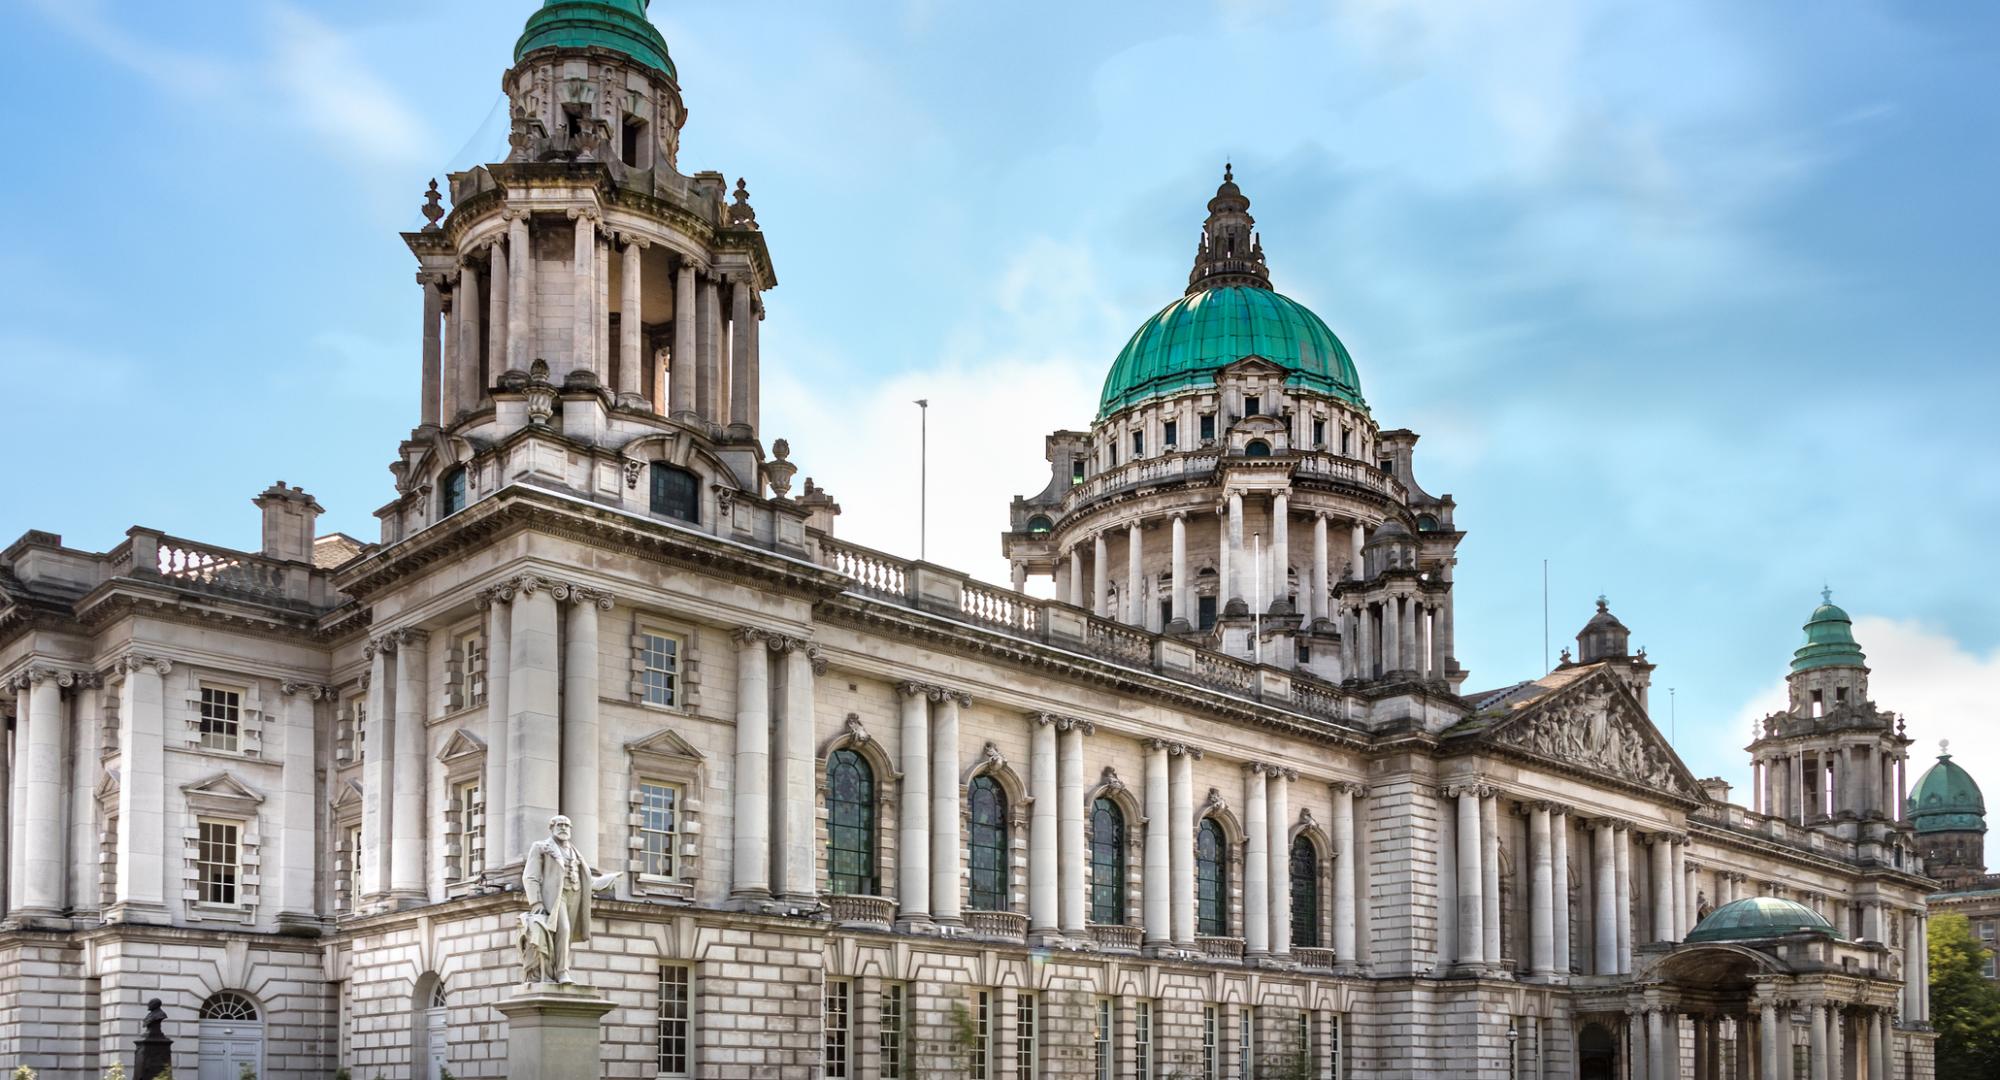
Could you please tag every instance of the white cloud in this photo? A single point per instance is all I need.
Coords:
(335, 92)
(184, 73)
(1942, 689)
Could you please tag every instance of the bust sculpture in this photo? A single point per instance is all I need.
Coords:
(559, 885)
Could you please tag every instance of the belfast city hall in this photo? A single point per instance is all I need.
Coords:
(1227, 806)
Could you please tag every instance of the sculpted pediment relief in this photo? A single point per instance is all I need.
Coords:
(1597, 726)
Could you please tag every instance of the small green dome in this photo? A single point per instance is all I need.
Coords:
(1829, 639)
(1760, 917)
(1946, 800)
(1199, 334)
(619, 25)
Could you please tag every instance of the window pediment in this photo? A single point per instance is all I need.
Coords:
(462, 748)
(667, 745)
(222, 793)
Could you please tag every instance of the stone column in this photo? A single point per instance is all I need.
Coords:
(1100, 577)
(140, 893)
(681, 364)
(1181, 835)
(750, 861)
(430, 400)
(1663, 1055)
(1702, 1048)
(1923, 969)
(1179, 590)
(1281, 547)
(1278, 809)
(1317, 610)
(534, 763)
(1135, 578)
(1836, 1043)
(1641, 1058)
(742, 314)
(500, 846)
(631, 322)
(709, 386)
(1076, 575)
(11, 799)
(500, 281)
(1390, 642)
(1621, 851)
(1256, 865)
(913, 847)
(600, 303)
(1070, 821)
(754, 329)
(407, 817)
(378, 769)
(1541, 902)
(520, 292)
(1489, 865)
(1604, 921)
(1366, 620)
(1880, 1045)
(796, 782)
(1344, 858)
(1816, 1041)
(946, 901)
(582, 771)
(1663, 886)
(1355, 537)
(1768, 1039)
(298, 839)
(1044, 826)
(1471, 879)
(465, 381)
(1559, 870)
(1159, 885)
(1233, 584)
(583, 296)
(1412, 647)
(39, 889)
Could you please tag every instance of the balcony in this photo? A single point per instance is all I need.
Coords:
(861, 912)
(1314, 959)
(1221, 948)
(1114, 937)
(1005, 926)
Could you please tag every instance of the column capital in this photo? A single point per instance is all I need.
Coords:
(750, 636)
(381, 643)
(1158, 745)
(565, 591)
(37, 674)
(1554, 809)
(1478, 789)
(1349, 787)
(583, 213)
(409, 635)
(1063, 723)
(133, 661)
(934, 692)
(523, 584)
(1179, 749)
(312, 690)
(491, 595)
(433, 279)
(633, 240)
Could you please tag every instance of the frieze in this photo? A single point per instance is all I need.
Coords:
(1593, 730)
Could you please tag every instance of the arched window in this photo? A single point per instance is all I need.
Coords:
(451, 492)
(228, 1005)
(676, 492)
(988, 844)
(1257, 448)
(1305, 894)
(850, 824)
(1107, 863)
(1040, 526)
(1211, 878)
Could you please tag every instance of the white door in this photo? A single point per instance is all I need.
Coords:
(228, 1045)
(434, 1039)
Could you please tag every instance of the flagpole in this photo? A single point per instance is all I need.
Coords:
(923, 478)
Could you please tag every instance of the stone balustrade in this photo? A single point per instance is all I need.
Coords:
(861, 912)
(1004, 926)
(1114, 937)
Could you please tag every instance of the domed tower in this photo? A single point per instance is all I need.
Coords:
(1831, 757)
(1949, 814)
(590, 313)
(1605, 640)
(1235, 491)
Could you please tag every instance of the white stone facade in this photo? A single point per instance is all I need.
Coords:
(310, 782)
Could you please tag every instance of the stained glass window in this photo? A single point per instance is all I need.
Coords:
(1305, 894)
(1211, 876)
(850, 824)
(988, 844)
(1107, 863)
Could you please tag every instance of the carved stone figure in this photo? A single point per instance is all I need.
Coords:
(559, 885)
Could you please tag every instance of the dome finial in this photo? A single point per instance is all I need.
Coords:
(1826, 594)
(1228, 172)
(1944, 748)
(1602, 604)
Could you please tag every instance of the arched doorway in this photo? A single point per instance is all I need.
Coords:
(230, 1036)
(1596, 1053)
(432, 1026)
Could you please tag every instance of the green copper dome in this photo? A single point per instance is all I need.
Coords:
(1195, 336)
(1947, 800)
(1759, 917)
(619, 25)
(1829, 639)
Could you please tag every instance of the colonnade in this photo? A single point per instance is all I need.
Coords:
(1805, 784)
(1403, 631)
(480, 319)
(774, 854)
(1843, 1041)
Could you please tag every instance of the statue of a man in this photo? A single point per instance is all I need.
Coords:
(559, 885)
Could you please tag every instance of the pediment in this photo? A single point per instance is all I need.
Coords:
(462, 744)
(1250, 365)
(347, 795)
(665, 743)
(1595, 725)
(223, 791)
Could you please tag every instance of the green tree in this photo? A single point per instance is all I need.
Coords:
(1965, 1007)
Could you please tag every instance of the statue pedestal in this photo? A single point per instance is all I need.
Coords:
(553, 1032)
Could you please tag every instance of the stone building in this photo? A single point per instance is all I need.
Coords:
(1950, 818)
(1223, 809)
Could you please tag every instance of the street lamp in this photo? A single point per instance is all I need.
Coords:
(1513, 1052)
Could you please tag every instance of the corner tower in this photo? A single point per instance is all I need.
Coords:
(589, 310)
(1949, 813)
(1235, 492)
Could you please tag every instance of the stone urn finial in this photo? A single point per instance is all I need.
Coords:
(779, 471)
(741, 216)
(541, 394)
(433, 207)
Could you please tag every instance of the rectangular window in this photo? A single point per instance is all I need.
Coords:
(982, 1034)
(1207, 427)
(1076, 472)
(1027, 1064)
(1204, 609)
(1246, 1044)
(1347, 442)
(1986, 931)
(1211, 1038)
(466, 811)
(659, 828)
(215, 861)
(1138, 443)
(1319, 433)
(1253, 405)
(892, 1031)
(1142, 1040)
(353, 867)
(221, 718)
(1111, 451)
(1386, 466)
(1333, 1048)
(474, 648)
(676, 1022)
(1305, 1040)
(660, 668)
(1172, 435)
(836, 1027)
(1106, 1051)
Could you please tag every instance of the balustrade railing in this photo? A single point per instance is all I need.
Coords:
(1224, 672)
(1004, 609)
(868, 911)
(1108, 639)
(998, 925)
(872, 571)
(1220, 948)
(1314, 959)
(209, 568)
(1115, 937)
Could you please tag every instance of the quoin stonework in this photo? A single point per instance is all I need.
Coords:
(1225, 807)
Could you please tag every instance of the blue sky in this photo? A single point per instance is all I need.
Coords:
(1684, 298)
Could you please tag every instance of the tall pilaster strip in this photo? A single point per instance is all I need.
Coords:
(1344, 855)
(1604, 921)
(1182, 838)
(798, 846)
(1044, 914)
(298, 847)
(750, 861)
(141, 884)
(378, 767)
(1489, 866)
(1541, 901)
(1621, 853)
(1471, 880)
(1559, 869)
(1277, 798)
(583, 294)
(501, 845)
(1256, 864)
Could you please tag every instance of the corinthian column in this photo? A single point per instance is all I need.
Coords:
(407, 818)
(378, 774)
(140, 891)
(742, 301)
(1355, 538)
(1135, 577)
(1278, 815)
(500, 282)
(1559, 868)
(1256, 865)
(1541, 901)
(750, 864)
(913, 850)
(1345, 858)
(583, 296)
(1604, 921)
(681, 377)
(1621, 852)
(1234, 584)
(1316, 607)
(1471, 880)
(631, 322)
(1076, 575)
(534, 771)
(1100, 577)
(945, 850)
(1043, 826)
(499, 620)
(1489, 865)
(708, 384)
(1281, 546)
(430, 401)
(520, 292)
(582, 770)
(1159, 860)
(465, 357)
(796, 777)
(1070, 819)
(40, 888)
(1663, 887)
(1179, 591)
(1182, 837)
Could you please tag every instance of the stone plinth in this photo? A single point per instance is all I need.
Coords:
(553, 1032)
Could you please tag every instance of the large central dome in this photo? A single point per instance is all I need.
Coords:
(1199, 334)
(1229, 312)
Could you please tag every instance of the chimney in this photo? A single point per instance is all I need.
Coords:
(820, 507)
(290, 519)
(1715, 787)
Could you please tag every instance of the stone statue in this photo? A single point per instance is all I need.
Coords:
(559, 885)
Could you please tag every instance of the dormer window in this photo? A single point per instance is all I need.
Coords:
(1253, 405)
